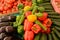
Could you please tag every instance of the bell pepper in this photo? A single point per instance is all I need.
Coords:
(41, 9)
(20, 6)
(40, 24)
(29, 35)
(48, 22)
(20, 30)
(42, 18)
(21, 20)
(32, 18)
(39, 14)
(27, 25)
(36, 28)
(27, 8)
(28, 13)
(46, 31)
(39, 1)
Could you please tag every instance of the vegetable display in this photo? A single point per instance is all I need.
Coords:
(36, 20)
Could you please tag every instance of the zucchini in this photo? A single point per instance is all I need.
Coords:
(58, 28)
(37, 37)
(43, 37)
(57, 33)
(54, 36)
(49, 37)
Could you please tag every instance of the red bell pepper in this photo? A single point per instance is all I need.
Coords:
(42, 18)
(28, 13)
(46, 31)
(29, 35)
(27, 25)
(36, 28)
(48, 22)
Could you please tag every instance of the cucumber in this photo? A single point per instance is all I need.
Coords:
(49, 10)
(56, 17)
(56, 23)
(37, 37)
(46, 0)
(58, 28)
(58, 20)
(57, 33)
(43, 37)
(47, 3)
(54, 36)
(49, 37)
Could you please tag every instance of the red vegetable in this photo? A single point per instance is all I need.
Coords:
(48, 22)
(28, 3)
(28, 13)
(29, 35)
(43, 17)
(27, 25)
(36, 28)
(56, 5)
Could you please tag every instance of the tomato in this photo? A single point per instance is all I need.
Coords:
(15, 3)
(56, 5)
(4, 12)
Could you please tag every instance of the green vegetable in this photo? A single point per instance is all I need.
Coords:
(18, 18)
(21, 20)
(20, 6)
(34, 9)
(49, 37)
(58, 28)
(15, 24)
(39, 14)
(41, 9)
(40, 1)
(33, 1)
(54, 36)
(37, 37)
(20, 30)
(40, 24)
(43, 37)
(57, 32)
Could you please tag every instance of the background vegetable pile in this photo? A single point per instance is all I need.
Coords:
(39, 22)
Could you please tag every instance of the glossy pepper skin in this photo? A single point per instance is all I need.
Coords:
(28, 13)
(48, 22)
(29, 35)
(42, 18)
(46, 31)
(36, 28)
(27, 25)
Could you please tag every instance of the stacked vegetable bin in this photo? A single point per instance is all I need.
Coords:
(29, 20)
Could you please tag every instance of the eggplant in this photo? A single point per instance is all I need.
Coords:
(6, 24)
(7, 18)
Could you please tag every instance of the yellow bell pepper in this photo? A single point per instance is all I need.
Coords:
(27, 8)
(32, 18)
